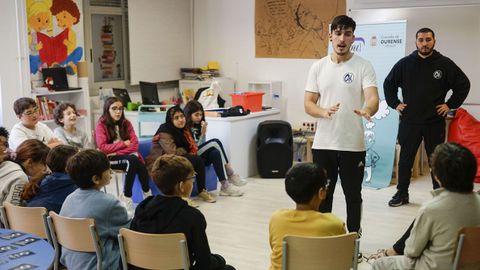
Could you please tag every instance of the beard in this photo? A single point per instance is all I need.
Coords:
(425, 51)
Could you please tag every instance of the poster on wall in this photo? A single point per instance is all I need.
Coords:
(107, 44)
(294, 28)
(383, 44)
(55, 36)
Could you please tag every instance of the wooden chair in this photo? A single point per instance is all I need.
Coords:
(315, 253)
(153, 251)
(32, 220)
(78, 234)
(468, 248)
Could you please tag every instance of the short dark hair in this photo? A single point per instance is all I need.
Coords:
(425, 30)
(169, 170)
(22, 104)
(455, 167)
(58, 157)
(58, 112)
(86, 164)
(4, 132)
(342, 22)
(303, 181)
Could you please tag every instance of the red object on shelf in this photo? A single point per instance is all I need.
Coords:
(248, 100)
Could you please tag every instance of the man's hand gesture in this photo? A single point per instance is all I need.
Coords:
(329, 112)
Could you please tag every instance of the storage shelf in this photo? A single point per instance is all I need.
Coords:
(57, 93)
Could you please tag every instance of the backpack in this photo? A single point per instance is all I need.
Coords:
(235, 111)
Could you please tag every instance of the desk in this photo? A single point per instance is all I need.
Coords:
(43, 257)
(238, 135)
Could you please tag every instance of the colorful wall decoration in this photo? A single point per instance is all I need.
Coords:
(55, 35)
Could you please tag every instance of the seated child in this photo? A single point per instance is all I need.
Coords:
(90, 171)
(173, 137)
(12, 176)
(433, 237)
(212, 151)
(29, 126)
(65, 116)
(306, 184)
(29, 164)
(116, 138)
(169, 213)
(51, 191)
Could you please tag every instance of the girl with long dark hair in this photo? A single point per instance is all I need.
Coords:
(116, 138)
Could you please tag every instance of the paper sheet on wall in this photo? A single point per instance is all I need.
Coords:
(294, 28)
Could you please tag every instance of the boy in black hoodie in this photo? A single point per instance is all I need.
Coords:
(169, 213)
(425, 76)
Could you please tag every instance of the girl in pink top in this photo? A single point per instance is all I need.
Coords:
(115, 137)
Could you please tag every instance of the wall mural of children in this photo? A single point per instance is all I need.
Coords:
(52, 44)
(67, 14)
(39, 20)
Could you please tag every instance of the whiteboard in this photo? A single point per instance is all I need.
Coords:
(457, 33)
(160, 39)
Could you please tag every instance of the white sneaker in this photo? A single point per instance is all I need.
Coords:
(128, 203)
(236, 180)
(230, 190)
(147, 194)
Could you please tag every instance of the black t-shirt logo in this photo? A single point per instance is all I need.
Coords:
(437, 74)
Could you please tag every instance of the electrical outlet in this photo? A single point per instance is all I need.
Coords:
(309, 126)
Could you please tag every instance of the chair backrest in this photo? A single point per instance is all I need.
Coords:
(32, 220)
(468, 247)
(315, 253)
(77, 234)
(153, 251)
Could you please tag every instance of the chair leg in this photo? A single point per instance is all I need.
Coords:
(116, 185)
(355, 254)
(284, 255)
(458, 251)
(123, 256)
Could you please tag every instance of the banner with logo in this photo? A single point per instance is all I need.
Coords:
(383, 44)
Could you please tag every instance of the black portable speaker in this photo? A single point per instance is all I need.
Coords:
(274, 148)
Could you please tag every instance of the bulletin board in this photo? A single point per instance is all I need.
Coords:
(294, 28)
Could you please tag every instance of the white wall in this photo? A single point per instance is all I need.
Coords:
(224, 31)
(453, 36)
(12, 83)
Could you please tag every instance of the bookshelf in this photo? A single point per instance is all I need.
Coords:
(79, 98)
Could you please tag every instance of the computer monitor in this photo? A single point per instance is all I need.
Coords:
(123, 95)
(149, 93)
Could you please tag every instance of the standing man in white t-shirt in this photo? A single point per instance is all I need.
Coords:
(341, 89)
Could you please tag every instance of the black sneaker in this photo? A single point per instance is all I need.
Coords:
(398, 199)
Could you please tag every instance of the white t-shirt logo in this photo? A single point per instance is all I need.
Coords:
(348, 77)
(437, 74)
